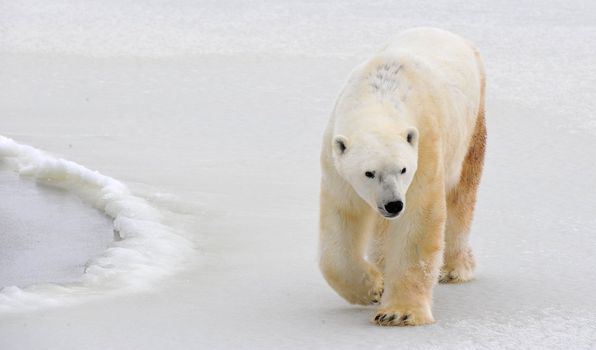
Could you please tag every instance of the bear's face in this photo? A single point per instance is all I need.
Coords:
(380, 171)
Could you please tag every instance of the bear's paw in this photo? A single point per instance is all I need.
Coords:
(403, 316)
(372, 288)
(458, 269)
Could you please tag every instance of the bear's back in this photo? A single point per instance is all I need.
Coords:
(446, 53)
(455, 69)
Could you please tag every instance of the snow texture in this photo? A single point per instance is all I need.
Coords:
(145, 251)
(211, 113)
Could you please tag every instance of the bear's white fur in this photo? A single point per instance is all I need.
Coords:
(401, 159)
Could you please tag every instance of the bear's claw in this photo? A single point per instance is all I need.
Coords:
(383, 319)
(407, 316)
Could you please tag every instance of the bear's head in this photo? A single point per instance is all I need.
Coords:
(379, 167)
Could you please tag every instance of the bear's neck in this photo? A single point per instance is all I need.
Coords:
(373, 118)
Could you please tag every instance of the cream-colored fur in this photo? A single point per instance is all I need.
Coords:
(405, 125)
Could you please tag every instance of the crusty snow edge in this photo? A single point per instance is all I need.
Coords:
(148, 250)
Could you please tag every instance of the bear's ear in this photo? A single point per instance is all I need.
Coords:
(412, 136)
(340, 144)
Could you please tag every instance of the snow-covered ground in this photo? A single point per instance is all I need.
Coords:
(211, 113)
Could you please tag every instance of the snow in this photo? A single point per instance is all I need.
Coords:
(145, 248)
(210, 114)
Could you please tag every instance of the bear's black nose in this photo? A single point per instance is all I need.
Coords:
(394, 207)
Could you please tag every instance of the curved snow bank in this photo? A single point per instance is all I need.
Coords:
(148, 250)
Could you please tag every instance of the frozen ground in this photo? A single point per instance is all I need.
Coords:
(37, 221)
(212, 113)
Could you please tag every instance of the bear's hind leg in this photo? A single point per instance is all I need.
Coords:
(458, 260)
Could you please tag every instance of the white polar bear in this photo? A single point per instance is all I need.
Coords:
(401, 162)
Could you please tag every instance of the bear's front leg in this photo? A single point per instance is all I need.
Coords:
(343, 237)
(413, 255)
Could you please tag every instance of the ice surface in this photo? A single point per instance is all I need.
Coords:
(213, 111)
(47, 234)
(146, 248)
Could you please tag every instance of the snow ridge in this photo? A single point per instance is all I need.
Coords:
(145, 249)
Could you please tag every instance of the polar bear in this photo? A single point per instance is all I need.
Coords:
(401, 161)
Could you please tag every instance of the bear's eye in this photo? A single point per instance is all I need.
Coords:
(370, 174)
(403, 171)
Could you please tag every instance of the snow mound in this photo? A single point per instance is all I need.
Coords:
(147, 249)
